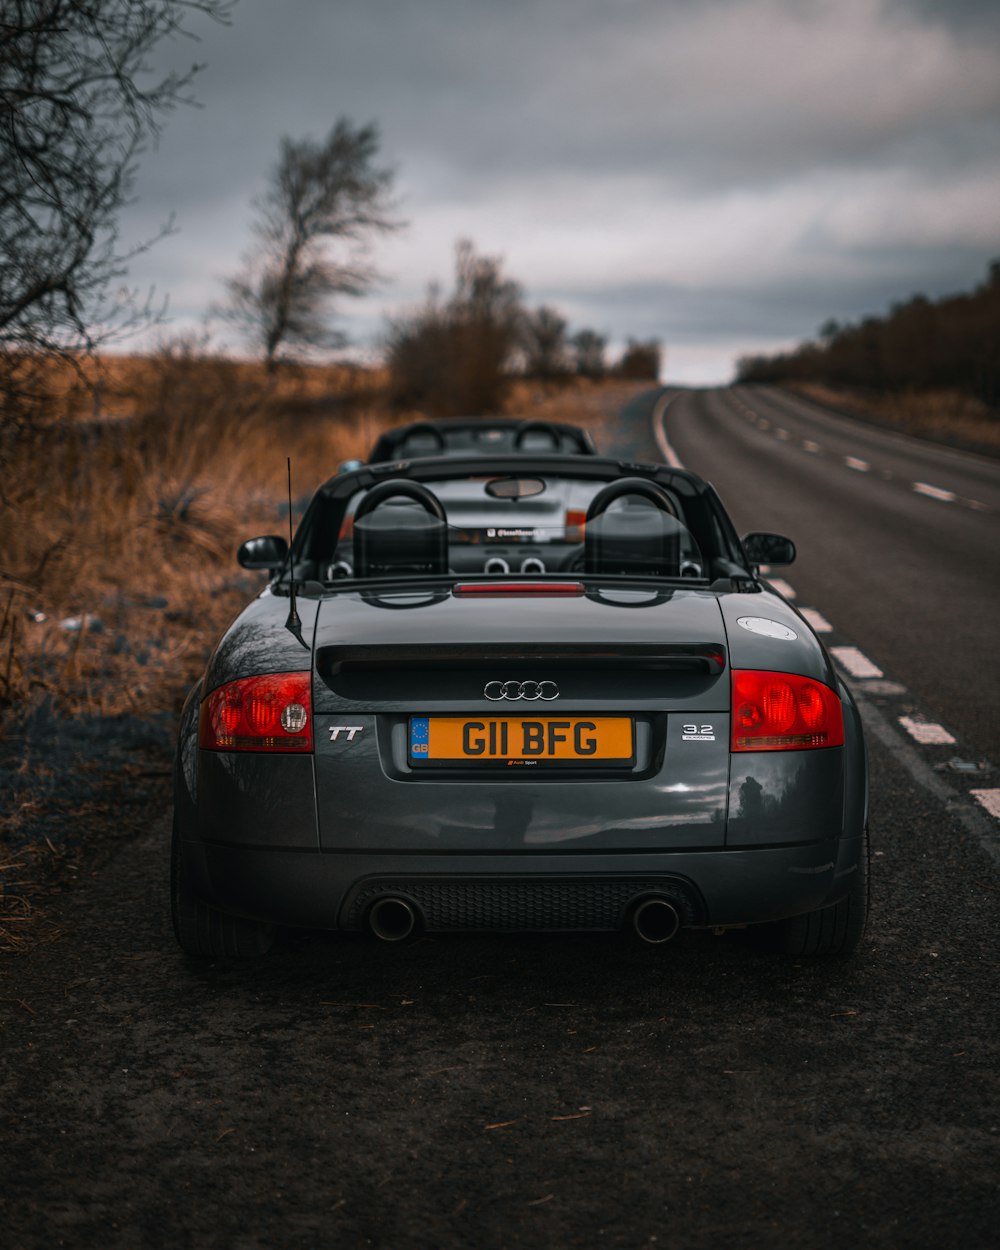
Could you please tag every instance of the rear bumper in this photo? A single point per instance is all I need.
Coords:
(327, 890)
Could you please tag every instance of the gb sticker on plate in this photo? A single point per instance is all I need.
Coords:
(698, 733)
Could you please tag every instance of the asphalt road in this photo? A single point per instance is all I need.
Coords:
(539, 1092)
(899, 540)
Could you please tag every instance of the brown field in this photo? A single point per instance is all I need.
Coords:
(119, 520)
(120, 517)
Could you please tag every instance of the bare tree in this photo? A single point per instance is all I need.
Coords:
(455, 357)
(543, 334)
(78, 103)
(320, 193)
(588, 349)
(641, 359)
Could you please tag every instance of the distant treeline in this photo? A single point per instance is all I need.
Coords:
(922, 344)
(459, 354)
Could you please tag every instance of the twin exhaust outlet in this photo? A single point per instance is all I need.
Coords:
(653, 919)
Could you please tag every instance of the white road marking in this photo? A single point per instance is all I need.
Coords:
(817, 620)
(990, 799)
(782, 587)
(859, 466)
(660, 432)
(857, 664)
(884, 687)
(975, 505)
(925, 732)
(934, 492)
(810, 446)
(764, 424)
(915, 763)
(781, 435)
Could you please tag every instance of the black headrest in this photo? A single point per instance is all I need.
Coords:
(399, 537)
(633, 538)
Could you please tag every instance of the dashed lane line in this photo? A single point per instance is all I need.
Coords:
(855, 662)
(926, 732)
(817, 620)
(869, 681)
(934, 492)
(974, 820)
(990, 800)
(782, 587)
(809, 445)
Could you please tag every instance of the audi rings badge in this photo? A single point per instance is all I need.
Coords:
(530, 690)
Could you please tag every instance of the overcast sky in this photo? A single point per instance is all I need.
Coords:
(723, 175)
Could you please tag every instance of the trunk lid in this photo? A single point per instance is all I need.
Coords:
(658, 658)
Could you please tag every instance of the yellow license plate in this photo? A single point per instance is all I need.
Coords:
(521, 740)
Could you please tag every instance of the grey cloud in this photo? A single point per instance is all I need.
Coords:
(588, 121)
(714, 92)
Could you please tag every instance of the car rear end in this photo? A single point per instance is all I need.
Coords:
(579, 766)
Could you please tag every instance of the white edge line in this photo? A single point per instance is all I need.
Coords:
(660, 431)
(927, 733)
(855, 662)
(990, 799)
(969, 814)
(934, 492)
(817, 620)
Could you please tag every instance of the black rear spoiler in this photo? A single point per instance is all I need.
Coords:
(706, 657)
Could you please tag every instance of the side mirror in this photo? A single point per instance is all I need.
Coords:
(348, 466)
(268, 552)
(768, 549)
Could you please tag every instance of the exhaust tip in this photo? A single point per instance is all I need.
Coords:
(391, 919)
(656, 920)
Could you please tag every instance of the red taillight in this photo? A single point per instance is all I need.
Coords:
(269, 713)
(783, 712)
(575, 522)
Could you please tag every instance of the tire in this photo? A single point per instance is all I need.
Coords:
(834, 930)
(205, 932)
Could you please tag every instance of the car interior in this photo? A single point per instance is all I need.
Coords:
(511, 525)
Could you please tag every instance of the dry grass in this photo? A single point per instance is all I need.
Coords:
(119, 519)
(119, 528)
(947, 417)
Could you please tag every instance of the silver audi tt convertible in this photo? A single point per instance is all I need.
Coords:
(534, 691)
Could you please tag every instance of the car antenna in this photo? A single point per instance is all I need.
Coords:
(294, 622)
